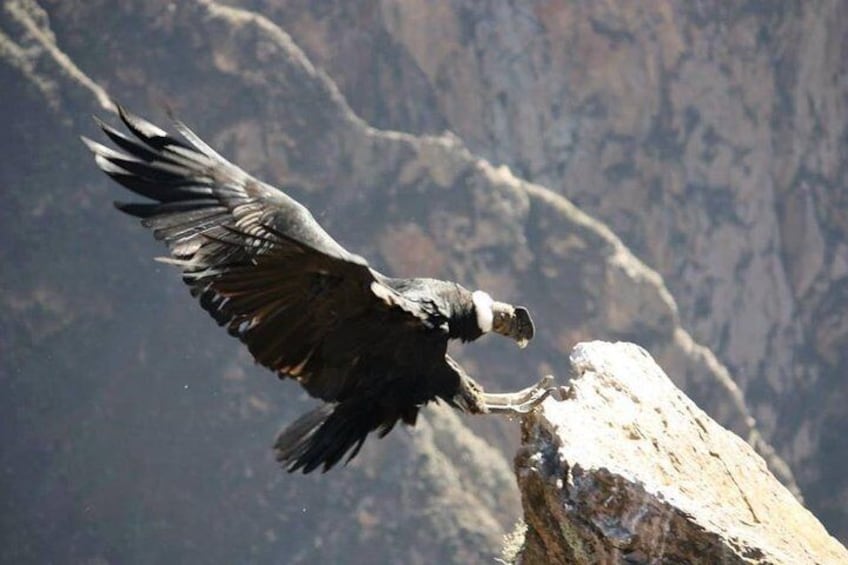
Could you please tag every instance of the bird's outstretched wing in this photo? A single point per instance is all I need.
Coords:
(257, 260)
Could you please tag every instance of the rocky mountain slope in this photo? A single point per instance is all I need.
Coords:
(137, 431)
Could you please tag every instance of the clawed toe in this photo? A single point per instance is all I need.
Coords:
(523, 401)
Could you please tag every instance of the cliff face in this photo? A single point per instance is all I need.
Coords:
(626, 469)
(137, 431)
(710, 137)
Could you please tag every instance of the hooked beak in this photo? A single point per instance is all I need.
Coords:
(514, 322)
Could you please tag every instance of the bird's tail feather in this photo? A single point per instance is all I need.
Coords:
(324, 435)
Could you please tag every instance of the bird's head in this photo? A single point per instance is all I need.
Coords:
(505, 319)
(513, 321)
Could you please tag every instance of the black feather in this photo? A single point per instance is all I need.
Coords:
(144, 153)
(149, 133)
(322, 437)
(137, 209)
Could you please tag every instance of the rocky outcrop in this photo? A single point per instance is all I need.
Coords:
(136, 431)
(628, 469)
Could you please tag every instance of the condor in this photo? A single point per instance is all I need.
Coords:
(372, 347)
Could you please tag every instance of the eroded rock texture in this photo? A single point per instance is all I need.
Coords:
(627, 469)
(135, 431)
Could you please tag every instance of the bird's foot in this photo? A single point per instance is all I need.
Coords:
(523, 401)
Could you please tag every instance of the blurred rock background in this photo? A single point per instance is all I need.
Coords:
(671, 173)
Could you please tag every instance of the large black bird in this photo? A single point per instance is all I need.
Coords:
(373, 348)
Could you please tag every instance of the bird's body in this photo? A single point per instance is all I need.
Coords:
(373, 348)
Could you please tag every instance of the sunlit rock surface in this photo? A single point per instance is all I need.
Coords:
(628, 469)
(135, 430)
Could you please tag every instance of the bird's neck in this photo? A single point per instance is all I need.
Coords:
(463, 323)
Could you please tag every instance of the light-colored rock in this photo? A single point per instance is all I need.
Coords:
(628, 469)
